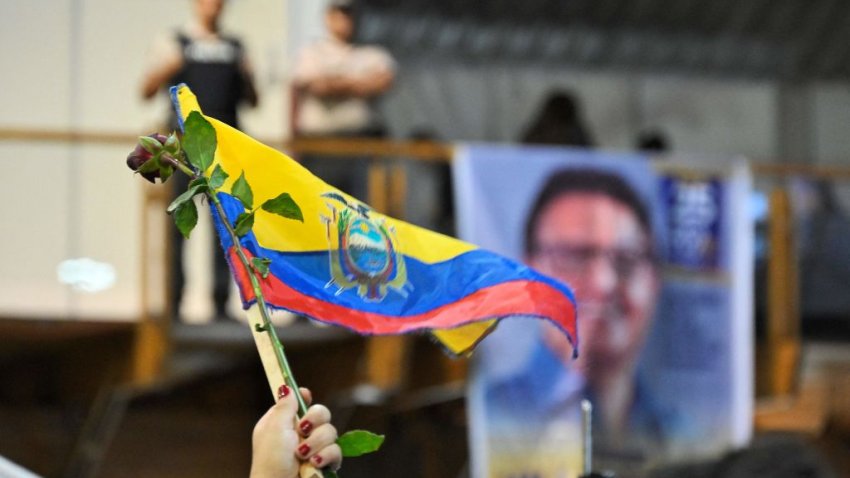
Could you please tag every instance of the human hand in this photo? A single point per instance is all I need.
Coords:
(281, 442)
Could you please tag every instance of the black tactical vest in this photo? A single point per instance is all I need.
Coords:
(212, 71)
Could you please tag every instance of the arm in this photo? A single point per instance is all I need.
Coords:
(279, 447)
(374, 84)
(331, 86)
(374, 77)
(249, 91)
(166, 61)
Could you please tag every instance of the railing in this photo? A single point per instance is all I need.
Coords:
(387, 189)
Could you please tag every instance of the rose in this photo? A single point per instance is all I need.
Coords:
(151, 157)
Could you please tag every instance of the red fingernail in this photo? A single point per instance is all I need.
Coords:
(282, 391)
(317, 459)
(306, 427)
(304, 449)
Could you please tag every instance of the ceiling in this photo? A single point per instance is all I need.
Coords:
(794, 40)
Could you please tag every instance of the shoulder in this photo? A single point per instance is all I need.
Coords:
(234, 40)
(375, 57)
(654, 415)
(165, 46)
(375, 52)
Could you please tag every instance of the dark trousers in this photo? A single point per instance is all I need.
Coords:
(221, 271)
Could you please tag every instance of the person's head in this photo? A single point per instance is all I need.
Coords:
(652, 141)
(208, 12)
(591, 230)
(559, 122)
(339, 20)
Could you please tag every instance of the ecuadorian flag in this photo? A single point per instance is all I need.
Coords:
(348, 265)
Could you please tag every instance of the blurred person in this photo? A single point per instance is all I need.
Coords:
(592, 231)
(281, 441)
(337, 84)
(559, 122)
(652, 141)
(217, 69)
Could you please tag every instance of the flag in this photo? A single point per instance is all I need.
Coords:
(351, 266)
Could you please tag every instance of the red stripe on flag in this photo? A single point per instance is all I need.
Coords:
(520, 297)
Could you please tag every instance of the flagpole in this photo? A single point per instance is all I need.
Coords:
(306, 470)
(267, 326)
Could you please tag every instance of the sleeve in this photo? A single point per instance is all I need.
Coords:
(164, 50)
(307, 66)
(380, 60)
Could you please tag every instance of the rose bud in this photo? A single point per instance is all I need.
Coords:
(141, 155)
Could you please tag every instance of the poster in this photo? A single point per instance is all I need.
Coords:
(661, 265)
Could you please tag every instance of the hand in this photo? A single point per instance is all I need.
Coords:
(280, 448)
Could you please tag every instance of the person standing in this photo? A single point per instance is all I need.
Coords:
(216, 67)
(337, 84)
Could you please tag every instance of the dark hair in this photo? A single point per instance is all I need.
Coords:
(343, 6)
(559, 122)
(584, 181)
(652, 142)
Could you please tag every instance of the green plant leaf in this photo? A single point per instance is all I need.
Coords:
(217, 177)
(151, 145)
(165, 171)
(359, 442)
(150, 165)
(199, 141)
(172, 144)
(285, 206)
(195, 188)
(242, 190)
(244, 223)
(261, 265)
(329, 474)
(186, 217)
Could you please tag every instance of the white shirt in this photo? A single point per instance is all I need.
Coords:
(327, 58)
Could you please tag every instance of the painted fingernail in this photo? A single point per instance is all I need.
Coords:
(282, 391)
(304, 449)
(306, 427)
(317, 459)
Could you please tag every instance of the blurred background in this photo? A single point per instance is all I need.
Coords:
(98, 377)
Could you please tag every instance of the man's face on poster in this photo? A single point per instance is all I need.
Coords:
(597, 246)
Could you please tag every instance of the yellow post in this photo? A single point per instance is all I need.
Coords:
(151, 343)
(779, 357)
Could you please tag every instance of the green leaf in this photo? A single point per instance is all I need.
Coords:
(195, 188)
(217, 177)
(359, 442)
(244, 223)
(151, 145)
(261, 265)
(285, 206)
(165, 171)
(329, 474)
(172, 144)
(242, 190)
(186, 217)
(150, 165)
(199, 141)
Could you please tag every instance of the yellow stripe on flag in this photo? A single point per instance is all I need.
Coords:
(264, 167)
